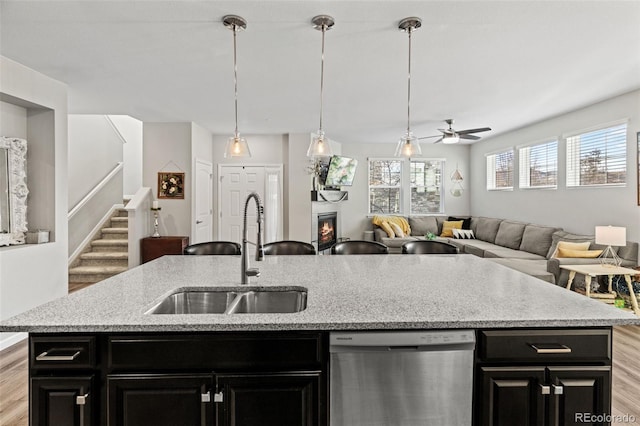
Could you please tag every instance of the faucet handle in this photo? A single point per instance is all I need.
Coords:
(253, 272)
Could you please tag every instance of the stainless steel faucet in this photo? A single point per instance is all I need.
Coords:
(247, 272)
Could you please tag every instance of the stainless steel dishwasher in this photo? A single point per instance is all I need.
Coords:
(413, 378)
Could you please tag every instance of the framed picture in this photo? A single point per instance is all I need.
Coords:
(171, 185)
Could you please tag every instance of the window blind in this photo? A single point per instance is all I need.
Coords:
(539, 165)
(500, 170)
(597, 157)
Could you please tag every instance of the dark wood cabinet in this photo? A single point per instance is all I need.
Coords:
(268, 399)
(61, 401)
(161, 379)
(543, 377)
(155, 247)
(159, 400)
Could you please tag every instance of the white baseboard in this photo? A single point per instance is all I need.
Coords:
(11, 339)
(77, 252)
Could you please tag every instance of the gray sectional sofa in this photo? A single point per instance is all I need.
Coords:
(526, 247)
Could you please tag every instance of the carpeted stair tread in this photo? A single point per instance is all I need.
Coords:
(105, 255)
(110, 242)
(115, 230)
(112, 270)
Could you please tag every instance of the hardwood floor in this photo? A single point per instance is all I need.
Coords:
(626, 379)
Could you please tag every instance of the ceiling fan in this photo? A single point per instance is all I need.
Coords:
(450, 135)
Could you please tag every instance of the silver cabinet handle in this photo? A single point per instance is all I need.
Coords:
(82, 399)
(542, 348)
(44, 356)
(545, 389)
(205, 397)
(557, 390)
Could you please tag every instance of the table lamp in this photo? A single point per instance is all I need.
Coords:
(611, 236)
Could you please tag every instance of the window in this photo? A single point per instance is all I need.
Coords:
(385, 181)
(539, 165)
(397, 186)
(426, 186)
(597, 157)
(500, 170)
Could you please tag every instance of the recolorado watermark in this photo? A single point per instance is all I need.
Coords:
(604, 418)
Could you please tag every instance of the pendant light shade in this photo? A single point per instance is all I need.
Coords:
(449, 139)
(319, 146)
(408, 145)
(236, 146)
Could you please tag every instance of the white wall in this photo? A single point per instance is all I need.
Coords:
(31, 275)
(13, 120)
(167, 148)
(131, 131)
(354, 216)
(94, 150)
(576, 210)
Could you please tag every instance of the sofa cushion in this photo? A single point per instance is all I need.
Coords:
(576, 254)
(386, 227)
(537, 239)
(421, 226)
(510, 234)
(395, 244)
(535, 268)
(475, 247)
(397, 230)
(485, 228)
(569, 237)
(504, 252)
(399, 220)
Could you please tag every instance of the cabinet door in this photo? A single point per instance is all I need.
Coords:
(511, 396)
(269, 399)
(61, 401)
(159, 400)
(577, 392)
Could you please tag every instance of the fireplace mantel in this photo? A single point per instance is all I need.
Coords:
(329, 196)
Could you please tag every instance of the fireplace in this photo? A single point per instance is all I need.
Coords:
(327, 230)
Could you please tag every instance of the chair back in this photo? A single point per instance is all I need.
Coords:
(359, 247)
(288, 248)
(429, 247)
(213, 247)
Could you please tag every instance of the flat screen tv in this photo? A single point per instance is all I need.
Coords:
(341, 171)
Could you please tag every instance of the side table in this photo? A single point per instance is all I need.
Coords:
(590, 271)
(154, 247)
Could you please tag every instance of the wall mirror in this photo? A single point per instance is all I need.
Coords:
(13, 191)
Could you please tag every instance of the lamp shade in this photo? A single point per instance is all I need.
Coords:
(408, 146)
(611, 235)
(319, 147)
(237, 147)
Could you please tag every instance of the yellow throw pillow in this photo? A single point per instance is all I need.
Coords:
(566, 245)
(387, 228)
(449, 225)
(399, 220)
(579, 253)
(397, 230)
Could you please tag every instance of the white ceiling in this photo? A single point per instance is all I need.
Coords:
(502, 64)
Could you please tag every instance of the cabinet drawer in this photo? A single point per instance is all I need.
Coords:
(572, 345)
(62, 352)
(261, 351)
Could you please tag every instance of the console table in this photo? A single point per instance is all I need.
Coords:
(154, 247)
(590, 271)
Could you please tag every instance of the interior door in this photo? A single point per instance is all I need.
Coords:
(202, 229)
(236, 182)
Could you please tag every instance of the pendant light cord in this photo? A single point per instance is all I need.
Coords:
(324, 29)
(409, 30)
(235, 76)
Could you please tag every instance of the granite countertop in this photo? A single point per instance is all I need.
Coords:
(344, 293)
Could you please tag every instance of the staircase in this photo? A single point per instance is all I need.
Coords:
(106, 256)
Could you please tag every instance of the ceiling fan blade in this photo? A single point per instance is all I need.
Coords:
(439, 140)
(428, 137)
(482, 129)
(469, 137)
(446, 131)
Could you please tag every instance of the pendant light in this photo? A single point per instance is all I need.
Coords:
(408, 145)
(319, 146)
(236, 146)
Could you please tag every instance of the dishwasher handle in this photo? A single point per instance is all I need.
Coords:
(403, 348)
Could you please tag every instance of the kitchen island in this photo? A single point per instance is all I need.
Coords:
(131, 363)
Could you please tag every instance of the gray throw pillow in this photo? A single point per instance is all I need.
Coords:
(421, 226)
(510, 234)
(537, 239)
(486, 228)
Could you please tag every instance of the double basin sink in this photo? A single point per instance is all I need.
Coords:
(244, 300)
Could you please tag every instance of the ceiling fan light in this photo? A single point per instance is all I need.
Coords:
(408, 146)
(237, 147)
(319, 147)
(450, 139)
